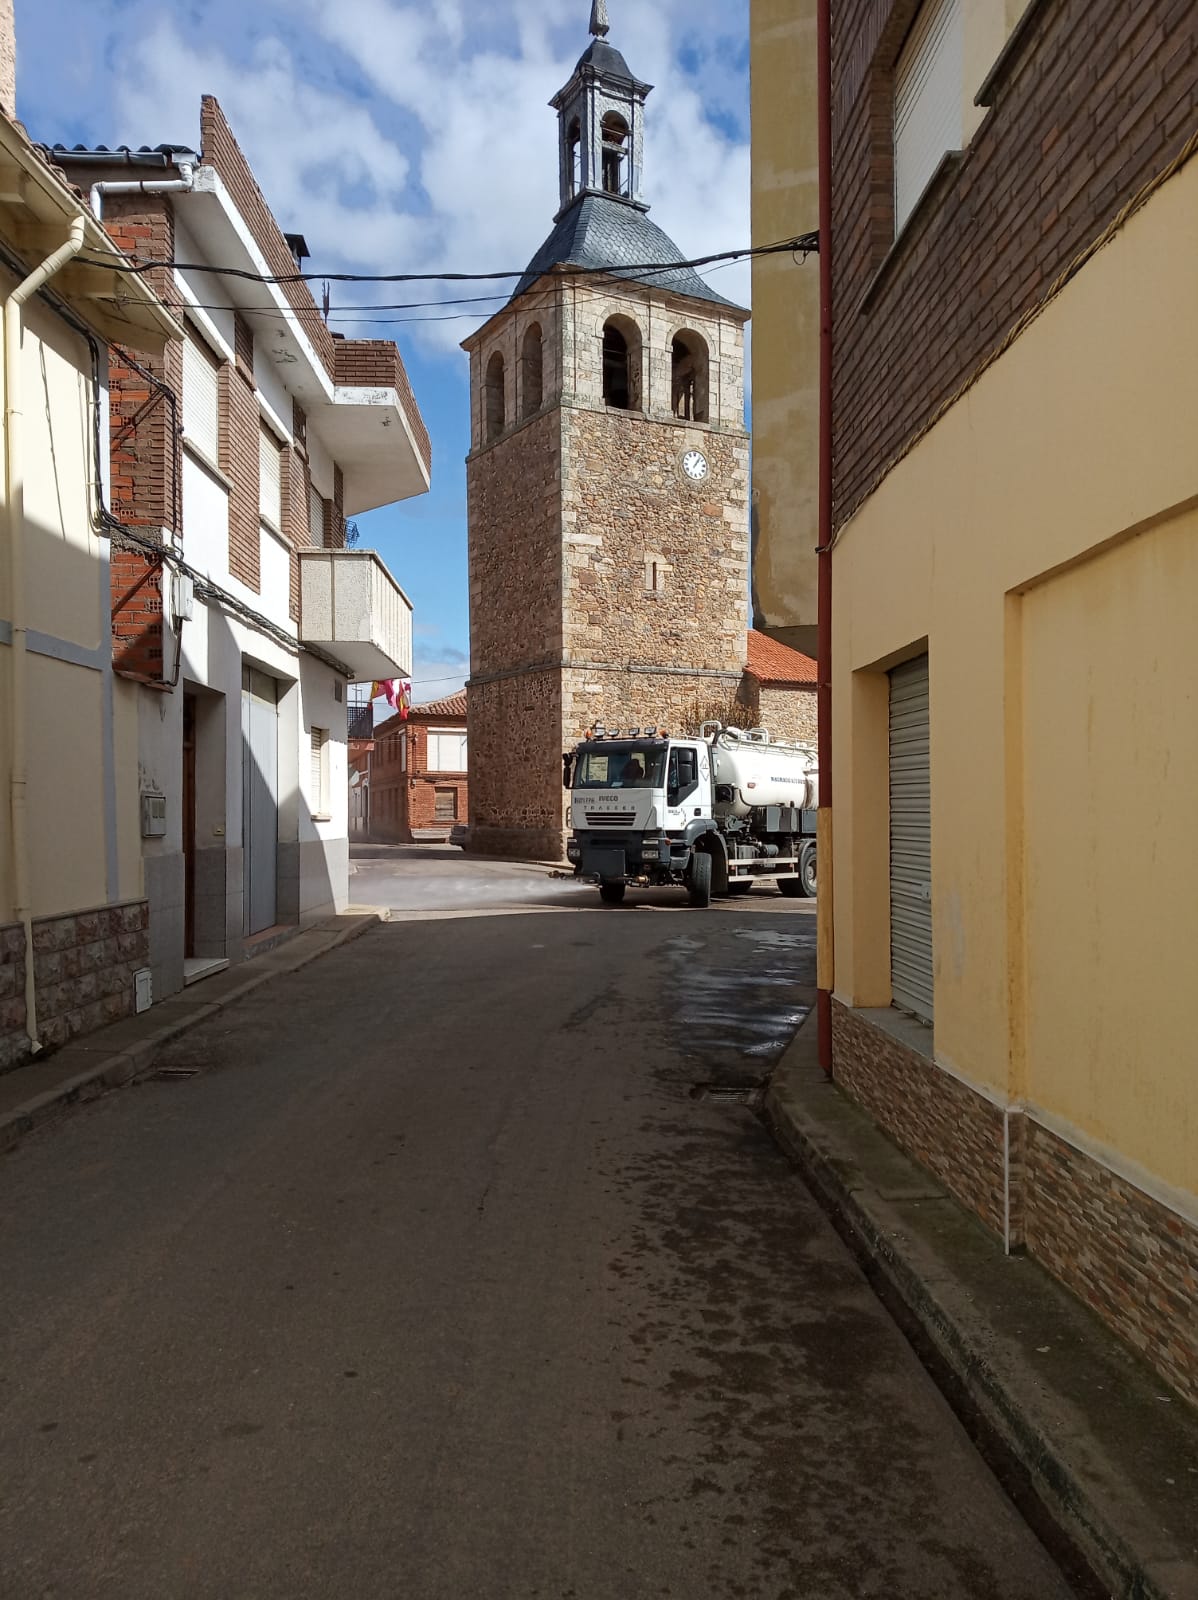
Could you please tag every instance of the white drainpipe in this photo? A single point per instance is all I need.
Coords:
(183, 184)
(14, 483)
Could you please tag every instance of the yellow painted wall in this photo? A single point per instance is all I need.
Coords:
(1011, 541)
(785, 338)
(67, 601)
(1111, 782)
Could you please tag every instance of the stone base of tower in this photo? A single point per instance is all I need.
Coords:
(519, 844)
(517, 803)
(641, 697)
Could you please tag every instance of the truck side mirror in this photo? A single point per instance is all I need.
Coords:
(567, 771)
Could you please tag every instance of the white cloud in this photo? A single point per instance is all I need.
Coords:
(415, 135)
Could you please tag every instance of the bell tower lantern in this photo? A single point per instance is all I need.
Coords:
(601, 120)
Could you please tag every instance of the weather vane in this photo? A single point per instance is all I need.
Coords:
(600, 26)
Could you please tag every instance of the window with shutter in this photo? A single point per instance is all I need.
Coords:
(201, 398)
(446, 750)
(270, 479)
(315, 517)
(445, 805)
(911, 969)
(320, 767)
(928, 89)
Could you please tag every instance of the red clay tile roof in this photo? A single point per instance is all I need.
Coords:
(771, 662)
(453, 705)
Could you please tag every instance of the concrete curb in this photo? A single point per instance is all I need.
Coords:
(91, 1068)
(1094, 1503)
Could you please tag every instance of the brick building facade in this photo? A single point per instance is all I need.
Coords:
(418, 773)
(1014, 565)
(237, 455)
(607, 483)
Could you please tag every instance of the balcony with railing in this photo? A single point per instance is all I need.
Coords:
(351, 606)
(360, 722)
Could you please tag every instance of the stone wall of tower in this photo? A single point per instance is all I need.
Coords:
(604, 584)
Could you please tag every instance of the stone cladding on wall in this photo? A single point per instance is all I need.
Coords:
(83, 970)
(956, 1132)
(1131, 1258)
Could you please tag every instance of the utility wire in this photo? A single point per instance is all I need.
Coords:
(804, 244)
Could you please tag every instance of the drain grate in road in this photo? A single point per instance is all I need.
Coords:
(729, 1094)
(173, 1074)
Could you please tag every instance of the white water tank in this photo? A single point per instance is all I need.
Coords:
(763, 772)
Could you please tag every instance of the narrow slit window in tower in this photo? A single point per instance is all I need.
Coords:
(615, 155)
(496, 415)
(533, 363)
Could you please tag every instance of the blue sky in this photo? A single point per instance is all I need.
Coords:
(408, 135)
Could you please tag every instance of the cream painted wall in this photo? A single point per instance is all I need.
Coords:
(1078, 439)
(785, 375)
(75, 795)
(1110, 779)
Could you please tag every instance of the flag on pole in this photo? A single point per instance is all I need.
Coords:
(396, 692)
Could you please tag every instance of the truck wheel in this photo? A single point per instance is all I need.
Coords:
(807, 871)
(612, 894)
(792, 888)
(699, 886)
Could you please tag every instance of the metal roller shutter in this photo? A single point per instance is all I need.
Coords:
(928, 85)
(910, 840)
(270, 479)
(201, 398)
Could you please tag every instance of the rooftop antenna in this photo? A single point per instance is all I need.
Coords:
(600, 26)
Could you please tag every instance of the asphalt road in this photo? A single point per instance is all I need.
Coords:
(423, 1274)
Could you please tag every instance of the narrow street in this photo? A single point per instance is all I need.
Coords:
(430, 1272)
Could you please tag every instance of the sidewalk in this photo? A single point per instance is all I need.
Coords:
(91, 1065)
(1107, 1451)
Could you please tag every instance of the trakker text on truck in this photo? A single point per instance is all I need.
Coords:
(713, 813)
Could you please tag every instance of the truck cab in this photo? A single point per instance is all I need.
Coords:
(639, 803)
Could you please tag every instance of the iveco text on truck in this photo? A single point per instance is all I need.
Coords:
(713, 812)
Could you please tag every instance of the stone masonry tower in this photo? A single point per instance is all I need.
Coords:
(607, 480)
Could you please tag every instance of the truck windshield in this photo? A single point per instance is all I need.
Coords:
(623, 766)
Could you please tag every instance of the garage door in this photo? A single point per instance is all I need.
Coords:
(910, 840)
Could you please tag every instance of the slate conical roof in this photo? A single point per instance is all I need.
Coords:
(602, 231)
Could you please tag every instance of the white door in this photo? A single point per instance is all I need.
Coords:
(260, 798)
(910, 840)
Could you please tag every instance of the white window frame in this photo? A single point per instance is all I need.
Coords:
(445, 733)
(929, 116)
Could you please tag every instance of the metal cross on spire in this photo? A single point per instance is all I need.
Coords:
(600, 26)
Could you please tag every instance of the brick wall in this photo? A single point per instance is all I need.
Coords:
(83, 971)
(222, 152)
(403, 799)
(1098, 97)
(239, 425)
(377, 363)
(144, 445)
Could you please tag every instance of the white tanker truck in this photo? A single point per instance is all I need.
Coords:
(714, 813)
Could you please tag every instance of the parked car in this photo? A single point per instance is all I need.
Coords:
(459, 834)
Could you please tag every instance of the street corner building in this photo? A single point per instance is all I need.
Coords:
(607, 481)
(73, 919)
(417, 776)
(186, 647)
(1014, 883)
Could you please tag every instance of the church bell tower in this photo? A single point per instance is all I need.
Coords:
(607, 479)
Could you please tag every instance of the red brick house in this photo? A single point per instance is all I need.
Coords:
(418, 773)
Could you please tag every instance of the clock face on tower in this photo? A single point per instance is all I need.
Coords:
(694, 464)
